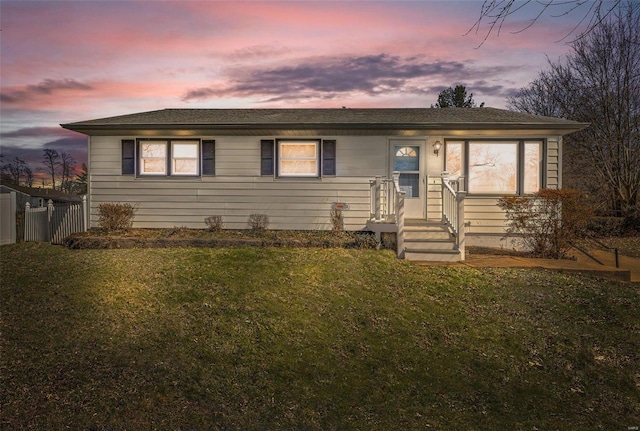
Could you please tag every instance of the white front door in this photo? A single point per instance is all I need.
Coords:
(408, 158)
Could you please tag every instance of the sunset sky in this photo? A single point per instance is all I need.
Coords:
(66, 61)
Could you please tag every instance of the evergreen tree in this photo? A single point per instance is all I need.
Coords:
(455, 98)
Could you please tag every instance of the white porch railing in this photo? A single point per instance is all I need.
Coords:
(453, 209)
(383, 199)
(387, 208)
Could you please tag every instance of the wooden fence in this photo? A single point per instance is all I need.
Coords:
(54, 222)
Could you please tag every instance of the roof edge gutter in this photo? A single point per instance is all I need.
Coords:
(569, 127)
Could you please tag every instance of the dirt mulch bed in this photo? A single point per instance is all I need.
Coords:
(184, 237)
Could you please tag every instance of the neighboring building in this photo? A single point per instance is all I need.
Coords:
(179, 166)
(38, 197)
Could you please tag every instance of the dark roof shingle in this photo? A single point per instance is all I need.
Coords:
(384, 118)
(322, 116)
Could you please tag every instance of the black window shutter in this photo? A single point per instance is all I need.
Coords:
(266, 156)
(208, 157)
(128, 157)
(329, 157)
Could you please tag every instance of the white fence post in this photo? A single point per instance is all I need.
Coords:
(49, 209)
(28, 223)
(85, 214)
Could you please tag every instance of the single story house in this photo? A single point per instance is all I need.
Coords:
(383, 168)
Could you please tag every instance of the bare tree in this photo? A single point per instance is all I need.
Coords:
(599, 83)
(535, 99)
(81, 182)
(51, 161)
(494, 14)
(17, 171)
(67, 168)
(28, 173)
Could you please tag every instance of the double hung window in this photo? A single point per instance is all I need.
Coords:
(153, 158)
(298, 158)
(169, 157)
(184, 158)
(146, 157)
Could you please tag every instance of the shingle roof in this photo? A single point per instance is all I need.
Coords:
(323, 116)
(246, 121)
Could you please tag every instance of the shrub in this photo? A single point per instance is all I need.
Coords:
(258, 221)
(115, 216)
(177, 231)
(362, 240)
(389, 240)
(337, 220)
(604, 227)
(214, 223)
(548, 221)
(631, 226)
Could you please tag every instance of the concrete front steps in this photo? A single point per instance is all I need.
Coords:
(429, 241)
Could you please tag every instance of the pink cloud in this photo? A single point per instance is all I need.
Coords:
(86, 59)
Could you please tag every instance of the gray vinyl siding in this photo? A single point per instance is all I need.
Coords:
(238, 190)
(434, 197)
(553, 163)
(482, 214)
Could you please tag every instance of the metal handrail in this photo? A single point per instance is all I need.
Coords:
(600, 243)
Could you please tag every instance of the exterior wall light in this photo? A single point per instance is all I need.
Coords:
(436, 147)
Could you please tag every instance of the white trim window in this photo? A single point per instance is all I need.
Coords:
(507, 167)
(153, 158)
(169, 157)
(184, 158)
(493, 167)
(299, 158)
(532, 166)
(453, 158)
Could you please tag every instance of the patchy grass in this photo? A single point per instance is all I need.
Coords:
(316, 339)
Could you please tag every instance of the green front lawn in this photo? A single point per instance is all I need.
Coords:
(326, 339)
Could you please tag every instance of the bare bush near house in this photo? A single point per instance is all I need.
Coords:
(115, 216)
(337, 220)
(258, 221)
(214, 223)
(548, 221)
